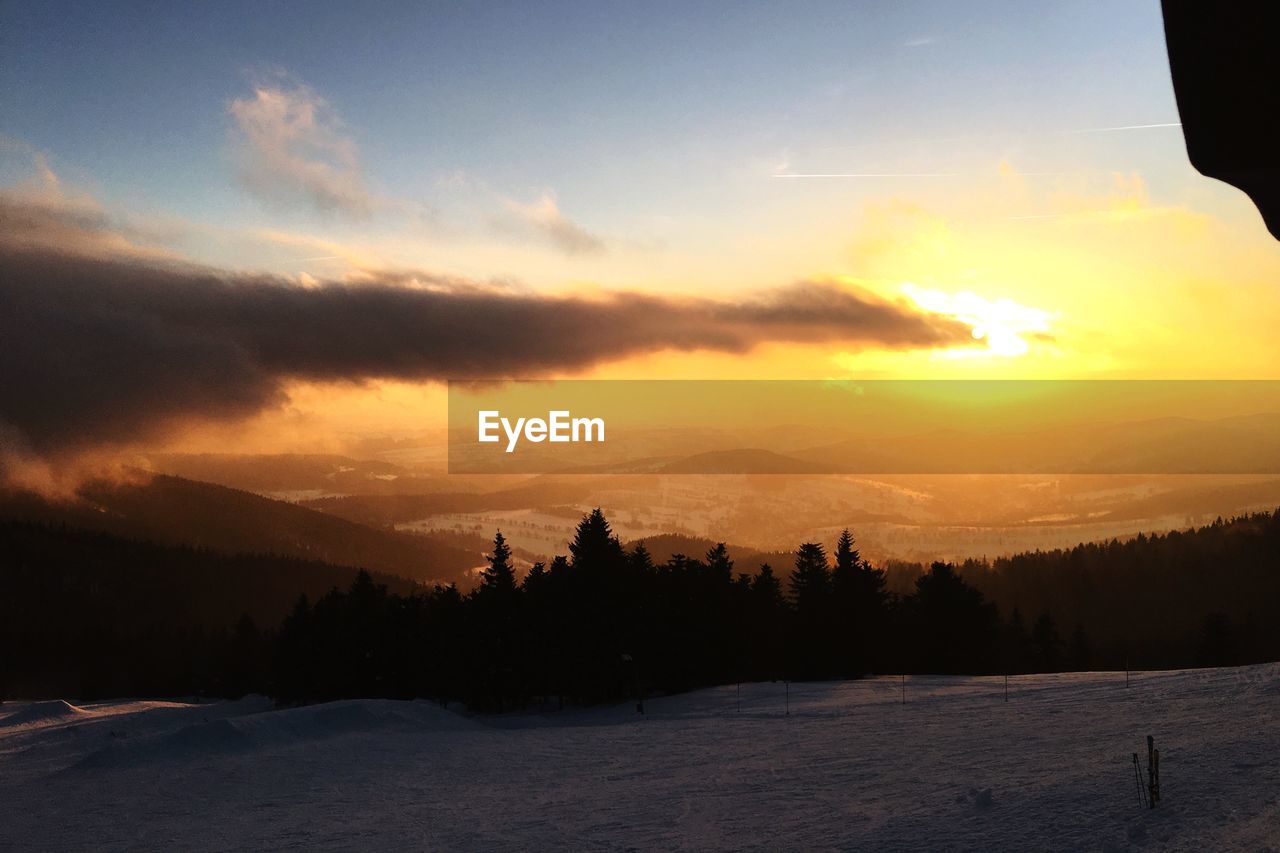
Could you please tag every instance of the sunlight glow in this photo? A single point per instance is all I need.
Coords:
(1004, 324)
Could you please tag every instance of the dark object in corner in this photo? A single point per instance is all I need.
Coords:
(1225, 59)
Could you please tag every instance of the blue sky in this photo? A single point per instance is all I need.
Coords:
(626, 110)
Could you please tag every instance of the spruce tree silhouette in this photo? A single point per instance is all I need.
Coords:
(952, 627)
(848, 561)
(767, 590)
(845, 593)
(871, 602)
(721, 631)
(641, 561)
(602, 614)
(769, 611)
(536, 575)
(859, 599)
(498, 632)
(812, 645)
(594, 547)
(719, 566)
(500, 577)
(810, 580)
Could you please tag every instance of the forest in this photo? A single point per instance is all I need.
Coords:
(88, 615)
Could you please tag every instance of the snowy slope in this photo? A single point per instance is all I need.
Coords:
(851, 767)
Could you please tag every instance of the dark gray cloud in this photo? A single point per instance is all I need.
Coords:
(103, 350)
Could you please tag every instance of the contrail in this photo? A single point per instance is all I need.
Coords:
(322, 258)
(974, 137)
(873, 175)
(929, 174)
(1127, 127)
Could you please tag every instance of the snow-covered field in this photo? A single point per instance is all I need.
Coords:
(851, 767)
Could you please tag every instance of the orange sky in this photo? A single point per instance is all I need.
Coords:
(1104, 283)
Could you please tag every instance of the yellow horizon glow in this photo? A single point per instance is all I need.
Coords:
(1101, 283)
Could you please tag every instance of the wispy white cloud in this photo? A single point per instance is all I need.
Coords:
(43, 212)
(292, 147)
(542, 217)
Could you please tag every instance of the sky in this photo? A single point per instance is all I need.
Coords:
(1013, 168)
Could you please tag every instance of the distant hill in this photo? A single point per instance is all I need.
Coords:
(746, 560)
(399, 509)
(1208, 499)
(745, 461)
(132, 580)
(1245, 445)
(91, 614)
(1157, 586)
(174, 511)
(304, 475)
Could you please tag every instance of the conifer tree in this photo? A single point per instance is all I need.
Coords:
(500, 577)
(536, 575)
(767, 591)
(641, 560)
(719, 566)
(812, 648)
(858, 599)
(848, 562)
(811, 579)
(594, 546)
(954, 626)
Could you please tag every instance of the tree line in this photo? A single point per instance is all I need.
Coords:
(606, 622)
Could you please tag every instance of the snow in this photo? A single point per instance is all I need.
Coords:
(851, 767)
(36, 713)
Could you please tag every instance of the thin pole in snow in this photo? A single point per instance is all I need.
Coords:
(788, 683)
(1153, 773)
(1157, 788)
(1006, 687)
(904, 688)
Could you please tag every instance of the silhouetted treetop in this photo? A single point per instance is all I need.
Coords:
(500, 577)
(594, 546)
